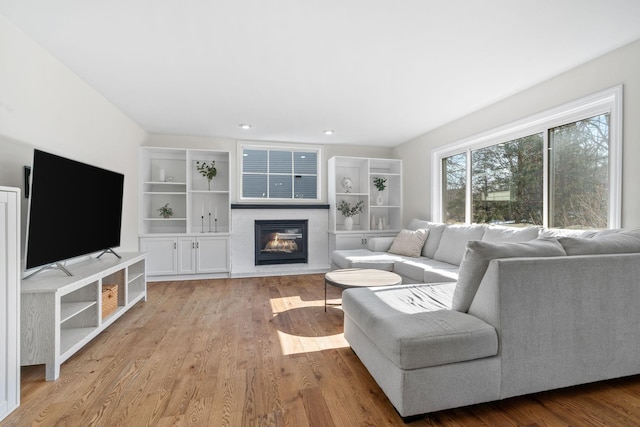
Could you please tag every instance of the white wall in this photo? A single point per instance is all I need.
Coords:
(621, 66)
(45, 105)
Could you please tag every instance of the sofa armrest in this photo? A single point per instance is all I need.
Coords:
(379, 244)
(562, 321)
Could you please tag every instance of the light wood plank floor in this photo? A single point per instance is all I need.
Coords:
(261, 352)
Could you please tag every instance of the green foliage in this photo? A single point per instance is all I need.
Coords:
(206, 170)
(347, 210)
(165, 211)
(380, 183)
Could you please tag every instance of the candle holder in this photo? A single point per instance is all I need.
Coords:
(209, 222)
(202, 224)
(216, 224)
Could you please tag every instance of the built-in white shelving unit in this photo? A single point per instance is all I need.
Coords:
(381, 216)
(201, 211)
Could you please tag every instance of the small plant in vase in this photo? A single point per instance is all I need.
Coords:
(349, 211)
(207, 170)
(380, 183)
(165, 211)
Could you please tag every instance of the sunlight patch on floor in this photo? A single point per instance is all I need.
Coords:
(294, 344)
(303, 337)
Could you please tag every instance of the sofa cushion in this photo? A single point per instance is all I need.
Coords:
(435, 234)
(547, 233)
(414, 326)
(426, 270)
(454, 242)
(499, 233)
(625, 241)
(363, 258)
(409, 243)
(477, 257)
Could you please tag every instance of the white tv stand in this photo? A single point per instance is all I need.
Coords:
(60, 314)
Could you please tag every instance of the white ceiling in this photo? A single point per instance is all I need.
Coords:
(377, 72)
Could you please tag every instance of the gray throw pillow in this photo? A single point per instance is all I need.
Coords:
(476, 260)
(409, 243)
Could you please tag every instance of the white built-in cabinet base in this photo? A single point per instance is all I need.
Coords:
(60, 314)
(203, 255)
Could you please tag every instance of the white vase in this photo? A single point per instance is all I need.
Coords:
(348, 223)
(379, 200)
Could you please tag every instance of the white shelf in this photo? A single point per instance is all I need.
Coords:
(50, 339)
(70, 309)
(166, 193)
(72, 336)
(164, 183)
(362, 171)
(188, 194)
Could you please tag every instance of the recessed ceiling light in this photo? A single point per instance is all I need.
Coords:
(328, 132)
(244, 126)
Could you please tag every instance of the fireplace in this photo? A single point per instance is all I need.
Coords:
(281, 241)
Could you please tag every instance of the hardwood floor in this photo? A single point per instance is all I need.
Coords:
(261, 352)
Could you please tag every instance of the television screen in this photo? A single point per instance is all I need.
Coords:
(75, 209)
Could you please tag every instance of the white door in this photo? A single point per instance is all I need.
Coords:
(186, 255)
(213, 254)
(9, 302)
(162, 255)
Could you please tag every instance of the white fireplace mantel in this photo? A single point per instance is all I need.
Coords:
(242, 240)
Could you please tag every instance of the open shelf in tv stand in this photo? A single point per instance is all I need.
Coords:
(60, 314)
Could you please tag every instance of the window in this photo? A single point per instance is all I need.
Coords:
(564, 172)
(279, 173)
(579, 173)
(506, 182)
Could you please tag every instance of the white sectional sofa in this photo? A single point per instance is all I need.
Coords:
(522, 317)
(440, 256)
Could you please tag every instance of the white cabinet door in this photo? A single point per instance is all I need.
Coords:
(212, 254)
(186, 255)
(162, 258)
(9, 305)
(350, 241)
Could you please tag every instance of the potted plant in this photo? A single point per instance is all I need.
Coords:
(349, 211)
(380, 183)
(165, 211)
(207, 170)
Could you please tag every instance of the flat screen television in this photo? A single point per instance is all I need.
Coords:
(74, 209)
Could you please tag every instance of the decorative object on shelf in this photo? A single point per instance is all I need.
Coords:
(207, 170)
(349, 211)
(380, 183)
(161, 175)
(165, 211)
(109, 299)
(373, 222)
(347, 184)
(380, 224)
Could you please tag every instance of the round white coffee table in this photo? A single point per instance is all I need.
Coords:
(359, 278)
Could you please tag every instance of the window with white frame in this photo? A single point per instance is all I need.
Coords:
(561, 168)
(279, 173)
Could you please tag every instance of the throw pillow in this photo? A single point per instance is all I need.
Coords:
(409, 243)
(478, 255)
